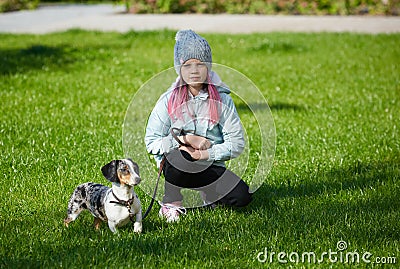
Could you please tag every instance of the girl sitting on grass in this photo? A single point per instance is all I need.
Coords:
(195, 126)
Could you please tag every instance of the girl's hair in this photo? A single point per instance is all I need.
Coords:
(180, 96)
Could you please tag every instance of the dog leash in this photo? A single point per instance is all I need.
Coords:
(153, 198)
(181, 132)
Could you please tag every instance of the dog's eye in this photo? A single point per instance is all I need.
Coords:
(124, 170)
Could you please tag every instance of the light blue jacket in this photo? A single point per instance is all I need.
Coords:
(226, 137)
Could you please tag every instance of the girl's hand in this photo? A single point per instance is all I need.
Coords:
(195, 153)
(197, 142)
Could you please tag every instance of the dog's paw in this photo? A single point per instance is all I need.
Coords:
(67, 221)
(137, 227)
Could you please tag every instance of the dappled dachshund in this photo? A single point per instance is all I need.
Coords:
(116, 205)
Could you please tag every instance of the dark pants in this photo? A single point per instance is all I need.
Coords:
(218, 183)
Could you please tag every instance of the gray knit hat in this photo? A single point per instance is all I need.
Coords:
(190, 45)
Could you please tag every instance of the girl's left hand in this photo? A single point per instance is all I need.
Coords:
(197, 142)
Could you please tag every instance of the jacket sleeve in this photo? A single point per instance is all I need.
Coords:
(232, 133)
(158, 138)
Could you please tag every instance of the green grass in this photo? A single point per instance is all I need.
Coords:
(335, 99)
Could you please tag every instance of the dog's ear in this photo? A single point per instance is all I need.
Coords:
(110, 171)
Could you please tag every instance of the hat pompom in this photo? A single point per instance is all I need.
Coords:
(180, 34)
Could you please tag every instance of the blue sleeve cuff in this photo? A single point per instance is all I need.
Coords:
(211, 154)
(169, 143)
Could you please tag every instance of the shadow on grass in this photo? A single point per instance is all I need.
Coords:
(287, 106)
(271, 46)
(357, 176)
(241, 107)
(35, 57)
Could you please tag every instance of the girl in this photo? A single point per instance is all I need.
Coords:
(195, 126)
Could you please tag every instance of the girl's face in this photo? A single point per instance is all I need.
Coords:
(194, 73)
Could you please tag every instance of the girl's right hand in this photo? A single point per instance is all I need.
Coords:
(195, 153)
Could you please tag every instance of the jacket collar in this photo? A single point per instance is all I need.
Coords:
(203, 95)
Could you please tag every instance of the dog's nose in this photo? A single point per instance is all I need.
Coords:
(137, 180)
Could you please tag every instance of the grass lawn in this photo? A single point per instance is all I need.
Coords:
(335, 100)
